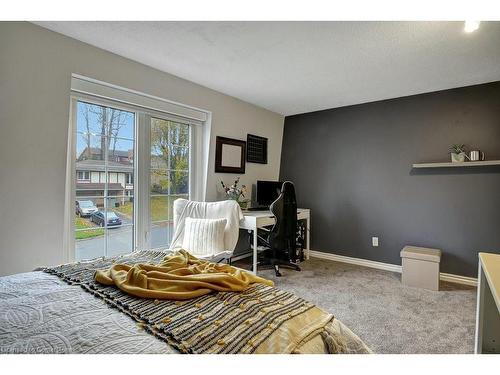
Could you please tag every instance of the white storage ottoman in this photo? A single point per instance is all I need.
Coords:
(421, 267)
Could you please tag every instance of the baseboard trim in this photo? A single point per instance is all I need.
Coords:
(465, 280)
(357, 261)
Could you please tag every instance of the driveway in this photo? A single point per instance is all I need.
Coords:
(120, 241)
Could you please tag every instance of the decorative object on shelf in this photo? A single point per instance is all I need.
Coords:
(256, 149)
(476, 155)
(458, 153)
(234, 192)
(230, 155)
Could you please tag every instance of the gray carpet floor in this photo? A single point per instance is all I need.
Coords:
(387, 316)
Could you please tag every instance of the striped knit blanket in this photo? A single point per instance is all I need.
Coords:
(223, 322)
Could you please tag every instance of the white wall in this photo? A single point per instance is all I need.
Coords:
(35, 74)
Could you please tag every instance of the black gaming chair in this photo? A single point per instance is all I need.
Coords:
(281, 239)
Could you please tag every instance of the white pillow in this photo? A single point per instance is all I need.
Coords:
(204, 237)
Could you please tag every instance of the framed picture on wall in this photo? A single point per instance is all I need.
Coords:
(256, 149)
(230, 155)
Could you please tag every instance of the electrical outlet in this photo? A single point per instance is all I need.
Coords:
(375, 241)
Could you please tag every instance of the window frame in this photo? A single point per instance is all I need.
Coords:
(142, 162)
(129, 179)
(192, 193)
(74, 99)
(83, 174)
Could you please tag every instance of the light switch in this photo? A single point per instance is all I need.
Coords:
(375, 241)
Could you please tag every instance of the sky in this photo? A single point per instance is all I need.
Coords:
(126, 131)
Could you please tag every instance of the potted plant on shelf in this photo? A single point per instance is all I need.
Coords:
(235, 192)
(457, 153)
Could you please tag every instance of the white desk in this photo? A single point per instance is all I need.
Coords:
(488, 304)
(257, 219)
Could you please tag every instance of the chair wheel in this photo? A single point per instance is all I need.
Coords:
(277, 271)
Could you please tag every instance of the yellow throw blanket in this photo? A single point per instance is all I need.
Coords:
(180, 276)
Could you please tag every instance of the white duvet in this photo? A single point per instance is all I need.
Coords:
(39, 313)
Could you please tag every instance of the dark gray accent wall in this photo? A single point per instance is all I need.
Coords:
(353, 167)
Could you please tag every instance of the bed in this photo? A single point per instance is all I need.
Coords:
(41, 312)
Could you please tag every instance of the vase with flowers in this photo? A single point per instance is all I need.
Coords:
(235, 192)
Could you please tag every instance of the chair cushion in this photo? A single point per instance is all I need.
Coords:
(229, 210)
(204, 237)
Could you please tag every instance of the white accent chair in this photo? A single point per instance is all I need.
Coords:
(229, 210)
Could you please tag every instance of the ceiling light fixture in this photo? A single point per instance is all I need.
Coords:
(471, 26)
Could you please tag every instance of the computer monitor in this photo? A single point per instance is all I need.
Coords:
(267, 192)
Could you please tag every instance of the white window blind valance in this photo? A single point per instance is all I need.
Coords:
(89, 86)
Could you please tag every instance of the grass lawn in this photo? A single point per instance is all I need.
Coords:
(126, 209)
(81, 223)
(161, 207)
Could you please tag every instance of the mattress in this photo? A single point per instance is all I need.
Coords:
(39, 313)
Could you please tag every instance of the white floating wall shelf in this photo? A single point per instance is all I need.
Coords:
(465, 164)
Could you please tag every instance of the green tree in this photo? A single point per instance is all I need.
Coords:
(170, 157)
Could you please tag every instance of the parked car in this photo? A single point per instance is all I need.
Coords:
(112, 218)
(85, 208)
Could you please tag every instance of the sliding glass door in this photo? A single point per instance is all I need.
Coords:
(129, 166)
(169, 176)
(104, 181)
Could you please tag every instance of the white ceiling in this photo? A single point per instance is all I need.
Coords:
(296, 67)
